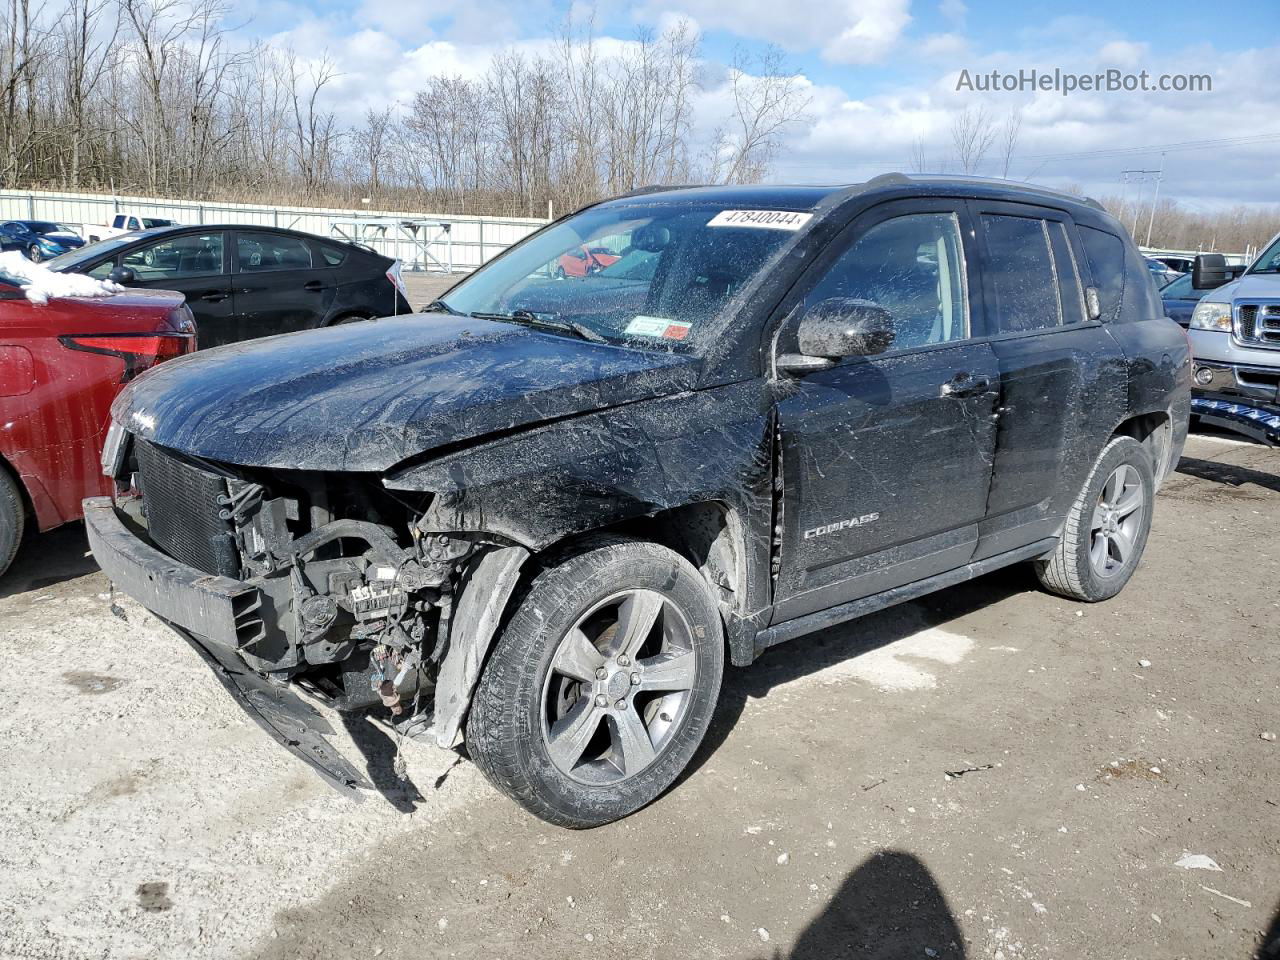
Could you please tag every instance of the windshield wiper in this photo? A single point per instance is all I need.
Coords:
(530, 319)
(439, 306)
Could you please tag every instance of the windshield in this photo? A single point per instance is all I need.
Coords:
(1269, 262)
(90, 251)
(43, 227)
(648, 275)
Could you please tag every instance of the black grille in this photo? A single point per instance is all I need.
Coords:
(181, 502)
(1248, 321)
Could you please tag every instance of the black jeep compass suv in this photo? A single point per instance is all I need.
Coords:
(546, 510)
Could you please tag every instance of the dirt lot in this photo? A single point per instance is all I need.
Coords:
(990, 772)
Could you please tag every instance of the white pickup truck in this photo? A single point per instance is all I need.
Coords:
(124, 223)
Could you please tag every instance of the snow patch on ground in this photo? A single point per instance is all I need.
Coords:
(901, 664)
(39, 283)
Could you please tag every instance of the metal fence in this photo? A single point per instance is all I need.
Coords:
(468, 242)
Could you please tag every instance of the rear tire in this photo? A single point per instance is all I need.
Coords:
(13, 518)
(602, 685)
(1107, 527)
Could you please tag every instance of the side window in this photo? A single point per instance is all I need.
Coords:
(1020, 267)
(913, 267)
(133, 224)
(1105, 253)
(193, 255)
(332, 255)
(1070, 289)
(102, 270)
(260, 252)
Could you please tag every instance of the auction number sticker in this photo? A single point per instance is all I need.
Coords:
(761, 219)
(642, 326)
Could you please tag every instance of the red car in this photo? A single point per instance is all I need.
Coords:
(585, 260)
(61, 365)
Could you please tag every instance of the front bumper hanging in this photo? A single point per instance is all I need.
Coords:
(216, 615)
(1259, 421)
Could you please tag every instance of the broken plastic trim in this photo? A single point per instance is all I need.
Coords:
(285, 716)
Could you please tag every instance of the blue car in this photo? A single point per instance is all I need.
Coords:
(1180, 299)
(38, 239)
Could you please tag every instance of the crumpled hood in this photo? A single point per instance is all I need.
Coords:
(366, 396)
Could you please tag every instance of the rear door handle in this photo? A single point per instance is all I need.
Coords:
(214, 296)
(964, 385)
(313, 285)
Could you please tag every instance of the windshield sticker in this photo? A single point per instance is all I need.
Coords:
(761, 219)
(642, 326)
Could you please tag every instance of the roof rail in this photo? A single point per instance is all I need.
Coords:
(1019, 185)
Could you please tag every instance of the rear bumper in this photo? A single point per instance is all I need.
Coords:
(222, 611)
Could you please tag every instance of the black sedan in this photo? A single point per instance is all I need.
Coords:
(243, 282)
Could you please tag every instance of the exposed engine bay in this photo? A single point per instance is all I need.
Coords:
(352, 598)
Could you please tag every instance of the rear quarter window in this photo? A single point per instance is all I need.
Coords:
(333, 256)
(1105, 253)
(1019, 267)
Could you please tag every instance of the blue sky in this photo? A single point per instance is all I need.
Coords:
(882, 74)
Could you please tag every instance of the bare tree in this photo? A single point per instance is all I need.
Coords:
(767, 100)
(1009, 139)
(972, 135)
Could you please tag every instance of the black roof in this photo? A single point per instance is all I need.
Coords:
(812, 197)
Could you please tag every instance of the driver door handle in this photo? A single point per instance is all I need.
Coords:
(313, 285)
(964, 385)
(214, 296)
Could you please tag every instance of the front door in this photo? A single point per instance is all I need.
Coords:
(282, 284)
(194, 264)
(886, 460)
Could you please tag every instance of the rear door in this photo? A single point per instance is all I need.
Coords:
(1062, 375)
(282, 284)
(194, 264)
(886, 460)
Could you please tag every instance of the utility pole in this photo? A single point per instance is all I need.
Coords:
(1155, 200)
(1142, 183)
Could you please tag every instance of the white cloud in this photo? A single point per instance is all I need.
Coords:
(944, 45)
(843, 31)
(953, 10)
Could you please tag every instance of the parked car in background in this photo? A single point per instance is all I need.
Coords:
(125, 223)
(243, 282)
(1235, 340)
(584, 261)
(61, 364)
(549, 517)
(1176, 263)
(38, 240)
(1180, 299)
(1161, 273)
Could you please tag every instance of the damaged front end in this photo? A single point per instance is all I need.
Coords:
(325, 581)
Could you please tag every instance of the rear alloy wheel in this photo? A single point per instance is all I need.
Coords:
(1107, 526)
(602, 685)
(12, 519)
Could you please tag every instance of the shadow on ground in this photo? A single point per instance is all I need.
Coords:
(47, 559)
(889, 907)
(1227, 473)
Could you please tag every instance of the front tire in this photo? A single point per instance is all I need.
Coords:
(35, 254)
(602, 685)
(1107, 527)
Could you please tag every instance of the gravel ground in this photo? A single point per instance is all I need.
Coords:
(990, 772)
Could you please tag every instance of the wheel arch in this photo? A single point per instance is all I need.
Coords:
(1154, 430)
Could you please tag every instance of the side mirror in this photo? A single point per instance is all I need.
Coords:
(1211, 270)
(122, 275)
(842, 327)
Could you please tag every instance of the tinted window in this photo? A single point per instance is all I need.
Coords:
(1181, 289)
(333, 255)
(1020, 268)
(1070, 288)
(259, 252)
(193, 255)
(1105, 253)
(912, 267)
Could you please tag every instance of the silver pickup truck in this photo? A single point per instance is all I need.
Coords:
(1235, 342)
